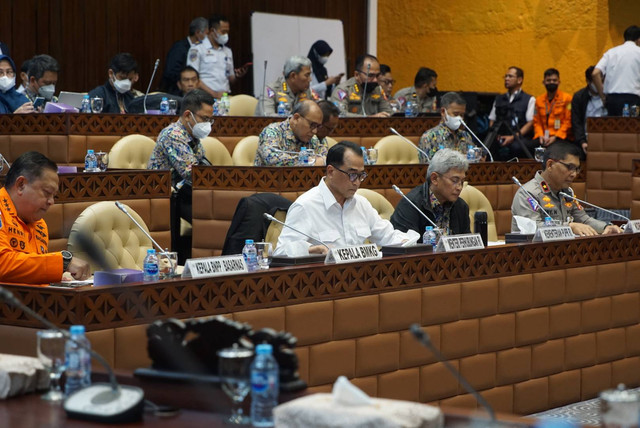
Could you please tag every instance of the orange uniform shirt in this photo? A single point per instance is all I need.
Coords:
(23, 248)
(554, 115)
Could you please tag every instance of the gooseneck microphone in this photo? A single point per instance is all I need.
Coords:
(3, 161)
(101, 401)
(272, 218)
(397, 189)
(531, 198)
(264, 88)
(122, 208)
(566, 195)
(364, 90)
(406, 140)
(155, 68)
(477, 139)
(423, 337)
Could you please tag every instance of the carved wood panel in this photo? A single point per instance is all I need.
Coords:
(617, 125)
(111, 185)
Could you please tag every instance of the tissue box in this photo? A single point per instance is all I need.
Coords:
(21, 375)
(320, 410)
(117, 276)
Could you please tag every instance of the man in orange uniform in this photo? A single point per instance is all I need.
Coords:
(30, 186)
(552, 118)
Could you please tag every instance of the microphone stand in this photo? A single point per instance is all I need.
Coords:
(144, 102)
(397, 189)
(477, 139)
(515, 180)
(122, 208)
(406, 140)
(272, 218)
(264, 87)
(364, 90)
(566, 195)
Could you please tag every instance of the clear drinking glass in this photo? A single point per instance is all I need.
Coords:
(372, 156)
(265, 253)
(97, 104)
(103, 161)
(51, 354)
(173, 106)
(234, 369)
(539, 153)
(168, 263)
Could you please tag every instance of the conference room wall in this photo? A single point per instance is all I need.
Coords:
(471, 43)
(84, 34)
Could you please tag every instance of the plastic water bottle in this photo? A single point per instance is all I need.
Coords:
(225, 105)
(90, 162)
(250, 255)
(264, 386)
(429, 237)
(364, 155)
(150, 268)
(548, 221)
(164, 106)
(77, 361)
(409, 110)
(303, 157)
(282, 109)
(216, 107)
(85, 106)
(625, 111)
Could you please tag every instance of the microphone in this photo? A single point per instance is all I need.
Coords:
(364, 90)
(566, 195)
(412, 145)
(477, 139)
(264, 87)
(423, 337)
(531, 199)
(272, 218)
(155, 68)
(3, 162)
(122, 208)
(104, 402)
(397, 189)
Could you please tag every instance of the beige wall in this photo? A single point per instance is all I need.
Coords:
(471, 43)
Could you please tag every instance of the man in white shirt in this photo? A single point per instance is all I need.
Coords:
(332, 213)
(621, 68)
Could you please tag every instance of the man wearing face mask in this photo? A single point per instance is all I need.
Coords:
(43, 76)
(364, 84)
(423, 93)
(214, 60)
(178, 146)
(10, 100)
(449, 133)
(552, 117)
(585, 103)
(117, 92)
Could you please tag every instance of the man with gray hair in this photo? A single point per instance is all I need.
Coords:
(177, 55)
(42, 78)
(438, 197)
(290, 88)
(449, 133)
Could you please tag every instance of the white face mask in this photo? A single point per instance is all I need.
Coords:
(47, 91)
(7, 83)
(201, 129)
(323, 59)
(222, 39)
(453, 122)
(122, 86)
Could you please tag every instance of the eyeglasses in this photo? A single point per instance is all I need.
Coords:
(8, 72)
(353, 176)
(571, 167)
(510, 76)
(329, 130)
(313, 125)
(456, 181)
(387, 82)
(205, 118)
(371, 75)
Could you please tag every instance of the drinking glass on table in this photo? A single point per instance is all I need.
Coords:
(539, 153)
(51, 354)
(372, 156)
(103, 161)
(265, 253)
(234, 369)
(97, 104)
(173, 106)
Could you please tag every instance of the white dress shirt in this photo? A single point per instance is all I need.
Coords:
(621, 68)
(318, 214)
(215, 66)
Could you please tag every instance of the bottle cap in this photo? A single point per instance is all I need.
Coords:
(90, 151)
(264, 349)
(151, 251)
(76, 329)
(248, 241)
(164, 98)
(428, 228)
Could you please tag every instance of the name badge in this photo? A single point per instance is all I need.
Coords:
(556, 124)
(553, 233)
(633, 226)
(214, 266)
(468, 241)
(353, 253)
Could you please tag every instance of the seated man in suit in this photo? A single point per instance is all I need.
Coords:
(560, 166)
(30, 187)
(117, 92)
(42, 78)
(332, 213)
(438, 197)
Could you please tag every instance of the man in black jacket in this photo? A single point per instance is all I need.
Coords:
(117, 92)
(585, 103)
(438, 197)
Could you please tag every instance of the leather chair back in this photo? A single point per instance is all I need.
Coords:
(393, 150)
(242, 105)
(216, 152)
(379, 202)
(131, 152)
(245, 151)
(477, 201)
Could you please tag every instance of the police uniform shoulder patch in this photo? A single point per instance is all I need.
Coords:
(545, 187)
(402, 100)
(193, 54)
(375, 96)
(341, 94)
(533, 203)
(270, 92)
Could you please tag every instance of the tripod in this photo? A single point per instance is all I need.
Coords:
(493, 134)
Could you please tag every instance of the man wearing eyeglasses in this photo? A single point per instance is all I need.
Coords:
(363, 84)
(423, 92)
(561, 165)
(438, 198)
(332, 213)
(280, 142)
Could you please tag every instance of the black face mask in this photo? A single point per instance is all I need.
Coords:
(551, 87)
(432, 92)
(370, 87)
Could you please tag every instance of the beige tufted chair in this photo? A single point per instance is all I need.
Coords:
(242, 105)
(477, 201)
(393, 150)
(124, 244)
(216, 152)
(131, 152)
(379, 202)
(331, 142)
(244, 152)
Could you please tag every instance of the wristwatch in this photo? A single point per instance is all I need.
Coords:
(66, 259)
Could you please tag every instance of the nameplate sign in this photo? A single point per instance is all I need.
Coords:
(633, 226)
(553, 233)
(353, 253)
(468, 241)
(214, 266)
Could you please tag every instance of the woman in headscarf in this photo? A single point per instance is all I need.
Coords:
(10, 100)
(321, 83)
